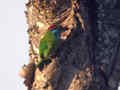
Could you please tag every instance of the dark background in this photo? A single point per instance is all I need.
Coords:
(103, 41)
(99, 45)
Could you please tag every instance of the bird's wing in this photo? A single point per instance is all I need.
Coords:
(43, 46)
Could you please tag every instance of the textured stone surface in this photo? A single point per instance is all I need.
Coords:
(47, 78)
(97, 49)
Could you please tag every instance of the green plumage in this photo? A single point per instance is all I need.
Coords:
(49, 44)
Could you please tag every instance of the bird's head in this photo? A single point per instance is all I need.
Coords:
(57, 27)
(52, 27)
(59, 31)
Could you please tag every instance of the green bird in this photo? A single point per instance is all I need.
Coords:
(50, 42)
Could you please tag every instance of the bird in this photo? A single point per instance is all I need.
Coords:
(50, 42)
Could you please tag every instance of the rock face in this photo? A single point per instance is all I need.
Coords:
(47, 78)
(85, 60)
